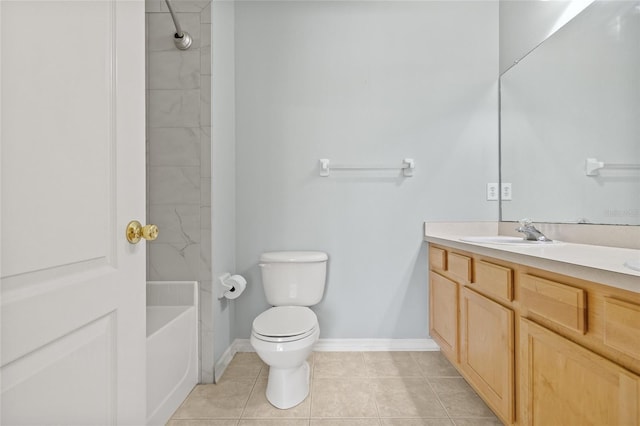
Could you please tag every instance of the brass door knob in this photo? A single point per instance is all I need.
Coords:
(135, 232)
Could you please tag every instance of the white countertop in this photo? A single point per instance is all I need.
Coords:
(600, 264)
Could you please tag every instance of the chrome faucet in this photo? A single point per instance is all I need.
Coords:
(530, 231)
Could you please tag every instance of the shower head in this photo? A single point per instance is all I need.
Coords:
(182, 42)
(182, 39)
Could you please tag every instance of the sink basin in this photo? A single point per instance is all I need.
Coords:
(501, 239)
(633, 264)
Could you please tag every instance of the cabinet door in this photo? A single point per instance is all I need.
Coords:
(565, 384)
(443, 314)
(487, 350)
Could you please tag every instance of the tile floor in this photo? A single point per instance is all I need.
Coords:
(347, 389)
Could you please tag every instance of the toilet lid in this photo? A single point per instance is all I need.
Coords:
(285, 321)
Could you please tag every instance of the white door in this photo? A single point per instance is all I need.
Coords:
(73, 168)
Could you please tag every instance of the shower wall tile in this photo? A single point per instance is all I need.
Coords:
(174, 108)
(169, 294)
(179, 223)
(205, 61)
(174, 69)
(205, 255)
(174, 261)
(185, 5)
(205, 15)
(205, 152)
(205, 102)
(152, 6)
(161, 30)
(205, 33)
(174, 185)
(205, 218)
(205, 192)
(175, 146)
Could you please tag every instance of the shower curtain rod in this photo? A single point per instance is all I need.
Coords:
(182, 39)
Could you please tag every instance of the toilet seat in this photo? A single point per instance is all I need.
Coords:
(285, 324)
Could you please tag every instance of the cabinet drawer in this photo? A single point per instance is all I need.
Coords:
(494, 279)
(622, 326)
(560, 303)
(460, 266)
(437, 258)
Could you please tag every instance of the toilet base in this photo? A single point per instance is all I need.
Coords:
(288, 387)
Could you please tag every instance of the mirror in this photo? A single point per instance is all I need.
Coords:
(573, 98)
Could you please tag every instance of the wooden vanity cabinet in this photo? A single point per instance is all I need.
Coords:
(487, 350)
(562, 383)
(539, 348)
(443, 314)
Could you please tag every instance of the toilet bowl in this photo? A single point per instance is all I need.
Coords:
(283, 338)
(284, 335)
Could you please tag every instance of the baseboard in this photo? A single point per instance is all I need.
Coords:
(225, 360)
(334, 345)
(352, 345)
(373, 345)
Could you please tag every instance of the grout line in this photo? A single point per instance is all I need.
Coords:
(255, 382)
(439, 400)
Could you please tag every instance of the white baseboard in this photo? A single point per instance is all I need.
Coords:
(335, 345)
(224, 361)
(373, 345)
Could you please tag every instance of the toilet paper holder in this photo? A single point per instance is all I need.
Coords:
(230, 286)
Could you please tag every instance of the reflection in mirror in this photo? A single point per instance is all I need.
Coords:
(575, 97)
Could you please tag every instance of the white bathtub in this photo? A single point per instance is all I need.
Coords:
(172, 347)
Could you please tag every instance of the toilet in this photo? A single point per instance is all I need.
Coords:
(284, 335)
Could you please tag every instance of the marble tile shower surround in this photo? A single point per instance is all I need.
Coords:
(178, 155)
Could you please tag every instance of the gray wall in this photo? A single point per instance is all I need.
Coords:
(179, 155)
(361, 82)
(526, 23)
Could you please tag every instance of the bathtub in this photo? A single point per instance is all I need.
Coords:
(172, 346)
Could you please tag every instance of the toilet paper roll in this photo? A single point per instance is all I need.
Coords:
(239, 284)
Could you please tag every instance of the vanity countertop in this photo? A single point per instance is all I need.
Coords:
(595, 263)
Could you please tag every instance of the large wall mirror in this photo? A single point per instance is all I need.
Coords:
(573, 98)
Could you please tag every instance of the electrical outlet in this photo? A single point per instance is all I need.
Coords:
(492, 191)
(506, 194)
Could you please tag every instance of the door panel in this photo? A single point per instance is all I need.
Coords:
(564, 383)
(73, 164)
(487, 344)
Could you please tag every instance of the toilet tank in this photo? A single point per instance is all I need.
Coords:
(294, 278)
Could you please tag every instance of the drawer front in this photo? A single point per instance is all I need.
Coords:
(437, 258)
(460, 266)
(494, 280)
(622, 326)
(560, 303)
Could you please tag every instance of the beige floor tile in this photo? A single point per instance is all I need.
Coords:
(391, 364)
(264, 373)
(225, 400)
(274, 422)
(207, 422)
(345, 422)
(342, 398)
(477, 422)
(434, 364)
(244, 365)
(417, 422)
(459, 398)
(259, 407)
(407, 397)
(339, 364)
